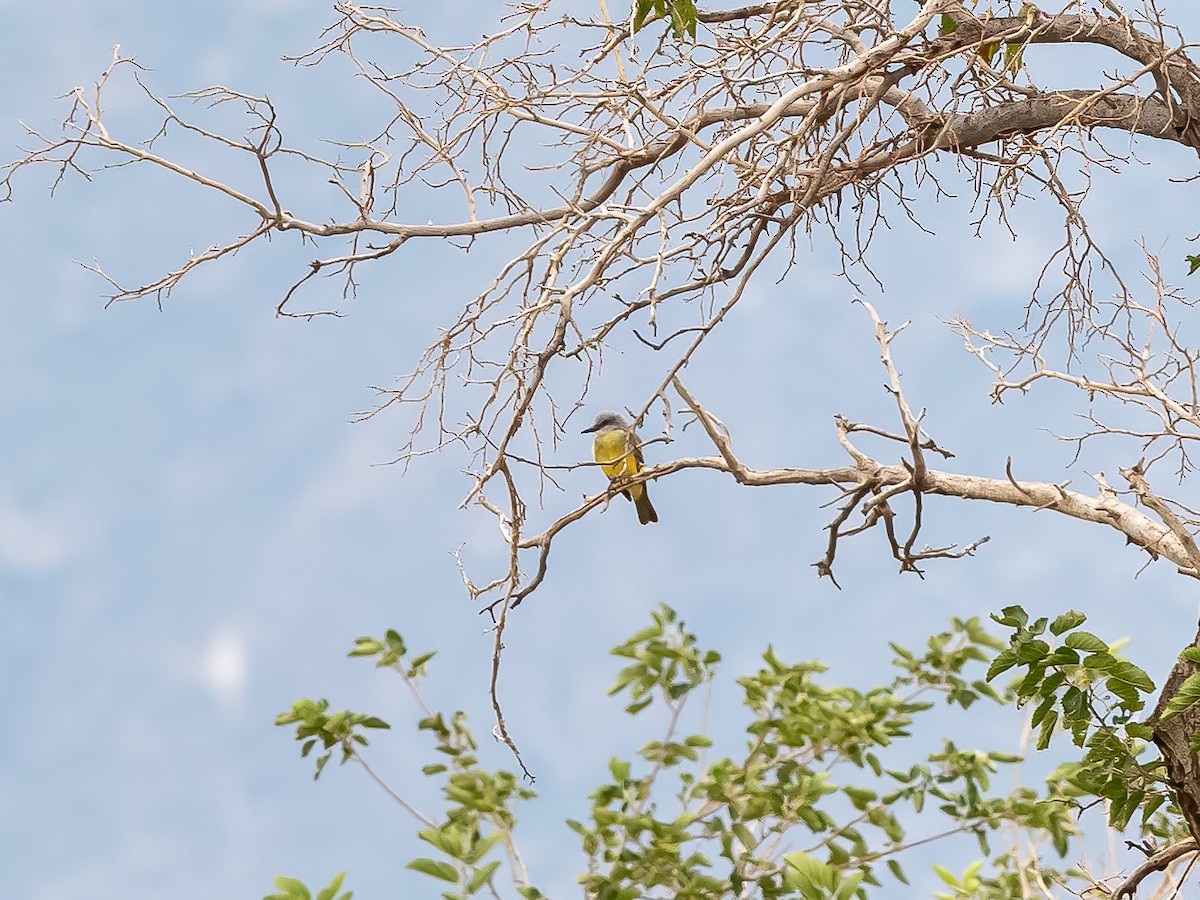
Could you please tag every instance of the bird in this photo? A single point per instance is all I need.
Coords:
(619, 453)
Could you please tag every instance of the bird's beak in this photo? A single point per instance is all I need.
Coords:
(588, 430)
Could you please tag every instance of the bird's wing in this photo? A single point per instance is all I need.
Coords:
(637, 450)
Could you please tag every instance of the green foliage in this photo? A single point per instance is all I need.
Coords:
(1013, 51)
(682, 14)
(966, 885)
(816, 800)
(815, 880)
(1014, 57)
(987, 52)
(316, 725)
(1187, 697)
(1082, 687)
(390, 652)
(947, 656)
(479, 813)
(812, 774)
(662, 654)
(478, 817)
(294, 889)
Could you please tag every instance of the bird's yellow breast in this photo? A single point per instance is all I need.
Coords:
(614, 454)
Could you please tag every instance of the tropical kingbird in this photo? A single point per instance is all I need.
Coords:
(619, 453)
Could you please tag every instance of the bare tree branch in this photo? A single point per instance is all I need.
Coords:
(670, 173)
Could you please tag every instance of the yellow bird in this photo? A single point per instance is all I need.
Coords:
(619, 453)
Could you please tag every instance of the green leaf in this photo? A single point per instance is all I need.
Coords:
(1004, 661)
(1064, 656)
(417, 664)
(619, 769)
(638, 705)
(1190, 654)
(1014, 57)
(482, 846)
(946, 875)
(482, 877)
(1054, 680)
(642, 11)
(1030, 684)
(1193, 264)
(1068, 620)
(1074, 703)
(366, 646)
(683, 18)
(1086, 642)
(1103, 662)
(1185, 698)
(1135, 675)
(329, 892)
(292, 888)
(395, 643)
(809, 873)
(1151, 806)
(897, 872)
(970, 879)
(1011, 616)
(744, 835)
(1047, 729)
(1043, 709)
(860, 797)
(946, 25)
(1139, 731)
(1033, 652)
(849, 886)
(442, 870)
(445, 839)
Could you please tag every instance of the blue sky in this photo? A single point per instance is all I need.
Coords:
(192, 531)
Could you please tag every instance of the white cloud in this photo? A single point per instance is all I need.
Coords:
(224, 665)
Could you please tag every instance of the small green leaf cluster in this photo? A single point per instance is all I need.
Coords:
(959, 781)
(812, 879)
(1081, 686)
(681, 12)
(294, 889)
(390, 653)
(948, 654)
(478, 817)
(316, 725)
(1187, 695)
(664, 660)
(1014, 51)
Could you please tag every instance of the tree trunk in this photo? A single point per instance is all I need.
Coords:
(1174, 740)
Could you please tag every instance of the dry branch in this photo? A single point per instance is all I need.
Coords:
(670, 173)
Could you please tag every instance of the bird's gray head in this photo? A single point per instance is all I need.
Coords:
(606, 420)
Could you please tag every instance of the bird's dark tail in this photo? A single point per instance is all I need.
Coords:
(645, 509)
